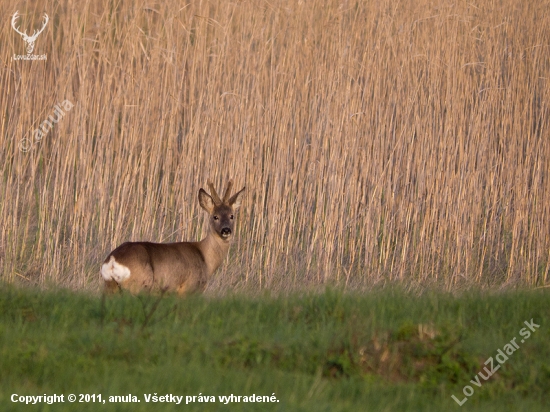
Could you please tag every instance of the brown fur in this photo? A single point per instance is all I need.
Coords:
(183, 267)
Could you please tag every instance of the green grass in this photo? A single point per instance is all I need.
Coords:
(381, 351)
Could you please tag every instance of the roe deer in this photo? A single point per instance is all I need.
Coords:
(183, 267)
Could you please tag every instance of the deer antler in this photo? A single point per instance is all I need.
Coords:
(35, 34)
(13, 20)
(214, 194)
(228, 191)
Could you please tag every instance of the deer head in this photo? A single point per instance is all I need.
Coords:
(222, 220)
(29, 40)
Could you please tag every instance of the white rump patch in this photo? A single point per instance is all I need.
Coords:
(112, 270)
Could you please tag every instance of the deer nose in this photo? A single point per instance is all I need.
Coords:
(225, 232)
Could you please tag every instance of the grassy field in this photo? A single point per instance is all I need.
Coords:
(383, 351)
(380, 141)
(394, 152)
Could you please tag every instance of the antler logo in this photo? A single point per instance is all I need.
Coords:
(29, 40)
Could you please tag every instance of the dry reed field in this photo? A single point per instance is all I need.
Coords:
(379, 141)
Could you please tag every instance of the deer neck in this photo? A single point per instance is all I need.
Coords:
(214, 250)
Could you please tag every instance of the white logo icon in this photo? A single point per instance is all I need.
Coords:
(29, 40)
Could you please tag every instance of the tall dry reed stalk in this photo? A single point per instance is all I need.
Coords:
(379, 141)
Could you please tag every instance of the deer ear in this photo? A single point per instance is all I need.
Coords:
(206, 201)
(235, 200)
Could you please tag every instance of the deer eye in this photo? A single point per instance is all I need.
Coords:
(231, 217)
(216, 217)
